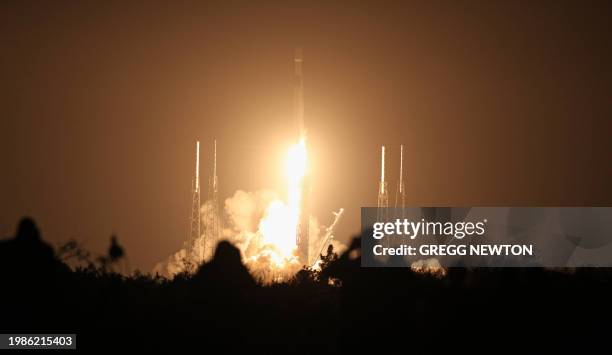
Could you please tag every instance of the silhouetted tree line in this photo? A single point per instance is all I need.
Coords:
(341, 309)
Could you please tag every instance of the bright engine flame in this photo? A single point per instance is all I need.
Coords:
(278, 227)
(296, 170)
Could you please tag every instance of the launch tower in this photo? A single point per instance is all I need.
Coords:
(193, 252)
(383, 196)
(400, 194)
(212, 220)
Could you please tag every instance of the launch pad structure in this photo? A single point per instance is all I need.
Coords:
(400, 193)
(205, 223)
(195, 219)
(202, 241)
(383, 195)
(212, 217)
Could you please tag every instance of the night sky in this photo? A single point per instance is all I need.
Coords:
(497, 104)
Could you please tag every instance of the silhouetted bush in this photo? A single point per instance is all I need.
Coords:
(341, 308)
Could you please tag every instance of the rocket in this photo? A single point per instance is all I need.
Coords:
(298, 92)
(303, 229)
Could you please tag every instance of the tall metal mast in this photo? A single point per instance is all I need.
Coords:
(196, 219)
(400, 195)
(213, 218)
(383, 197)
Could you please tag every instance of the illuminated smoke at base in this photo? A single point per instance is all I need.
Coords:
(429, 266)
(263, 226)
(246, 214)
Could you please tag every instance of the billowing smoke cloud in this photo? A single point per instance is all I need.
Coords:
(242, 215)
(429, 266)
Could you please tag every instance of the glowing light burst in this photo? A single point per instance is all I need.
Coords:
(296, 170)
(278, 227)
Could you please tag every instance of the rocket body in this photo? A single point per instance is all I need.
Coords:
(298, 93)
(303, 230)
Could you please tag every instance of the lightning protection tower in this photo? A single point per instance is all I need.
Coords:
(194, 252)
(212, 217)
(383, 196)
(400, 194)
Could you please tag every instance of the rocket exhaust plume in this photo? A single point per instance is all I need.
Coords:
(275, 235)
(302, 188)
(264, 227)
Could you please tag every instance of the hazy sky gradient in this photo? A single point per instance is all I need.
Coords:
(499, 104)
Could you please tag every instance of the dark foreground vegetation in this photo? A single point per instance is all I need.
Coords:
(221, 309)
